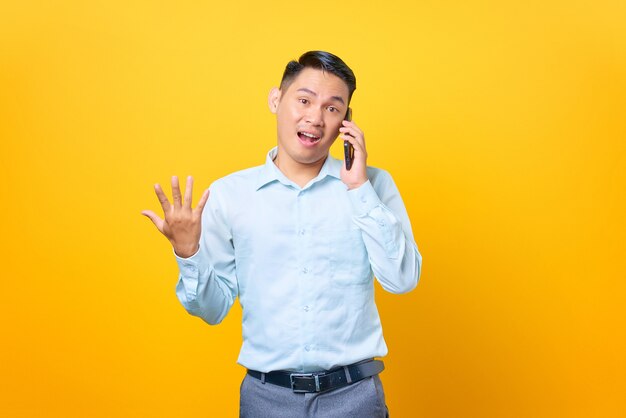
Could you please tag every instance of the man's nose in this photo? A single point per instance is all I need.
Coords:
(315, 116)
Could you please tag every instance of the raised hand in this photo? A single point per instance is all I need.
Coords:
(181, 224)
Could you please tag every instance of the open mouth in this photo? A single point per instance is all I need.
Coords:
(308, 138)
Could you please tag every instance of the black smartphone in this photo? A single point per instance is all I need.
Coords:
(348, 149)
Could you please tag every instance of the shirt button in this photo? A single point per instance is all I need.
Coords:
(302, 232)
(307, 347)
(381, 222)
(363, 199)
(307, 308)
(305, 270)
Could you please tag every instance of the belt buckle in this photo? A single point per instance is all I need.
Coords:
(315, 376)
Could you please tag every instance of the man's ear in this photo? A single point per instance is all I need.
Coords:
(274, 99)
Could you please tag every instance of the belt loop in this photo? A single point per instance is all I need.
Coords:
(348, 378)
(263, 378)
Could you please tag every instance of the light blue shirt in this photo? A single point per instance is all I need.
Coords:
(302, 262)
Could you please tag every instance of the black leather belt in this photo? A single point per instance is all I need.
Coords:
(321, 381)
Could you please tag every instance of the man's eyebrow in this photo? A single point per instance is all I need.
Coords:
(312, 93)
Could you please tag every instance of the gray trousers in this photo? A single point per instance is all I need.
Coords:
(362, 399)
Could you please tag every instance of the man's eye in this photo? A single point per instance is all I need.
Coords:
(304, 101)
(332, 109)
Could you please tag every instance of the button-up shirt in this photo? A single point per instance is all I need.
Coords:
(302, 261)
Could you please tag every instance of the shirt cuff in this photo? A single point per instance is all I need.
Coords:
(364, 199)
(188, 266)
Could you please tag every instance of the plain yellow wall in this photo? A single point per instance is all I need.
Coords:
(503, 124)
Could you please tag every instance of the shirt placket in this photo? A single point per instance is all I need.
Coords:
(306, 279)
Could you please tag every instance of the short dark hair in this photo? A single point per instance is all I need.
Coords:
(320, 60)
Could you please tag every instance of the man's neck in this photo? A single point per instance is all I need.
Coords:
(299, 173)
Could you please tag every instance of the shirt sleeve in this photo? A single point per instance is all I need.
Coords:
(207, 283)
(380, 214)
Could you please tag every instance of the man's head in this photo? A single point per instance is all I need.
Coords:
(310, 105)
(320, 60)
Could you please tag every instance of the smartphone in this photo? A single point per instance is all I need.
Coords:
(348, 149)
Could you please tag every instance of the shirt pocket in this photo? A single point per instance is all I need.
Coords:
(349, 263)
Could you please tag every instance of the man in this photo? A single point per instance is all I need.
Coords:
(299, 240)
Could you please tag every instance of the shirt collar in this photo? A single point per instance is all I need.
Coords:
(269, 171)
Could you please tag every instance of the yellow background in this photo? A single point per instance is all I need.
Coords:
(502, 123)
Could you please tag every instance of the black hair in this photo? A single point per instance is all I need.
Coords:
(320, 60)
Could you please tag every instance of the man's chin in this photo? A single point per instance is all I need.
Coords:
(310, 157)
(311, 160)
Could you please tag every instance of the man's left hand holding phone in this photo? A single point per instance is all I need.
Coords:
(353, 172)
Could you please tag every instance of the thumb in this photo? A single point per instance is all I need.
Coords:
(158, 222)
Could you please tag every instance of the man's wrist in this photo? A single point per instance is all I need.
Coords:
(352, 186)
(186, 251)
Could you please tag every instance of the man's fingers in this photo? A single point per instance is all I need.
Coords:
(203, 200)
(353, 134)
(158, 222)
(176, 197)
(165, 204)
(350, 131)
(358, 144)
(188, 192)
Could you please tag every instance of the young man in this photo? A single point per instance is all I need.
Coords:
(299, 241)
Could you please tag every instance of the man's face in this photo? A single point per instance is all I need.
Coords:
(309, 113)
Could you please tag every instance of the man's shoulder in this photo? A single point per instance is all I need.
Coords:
(245, 178)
